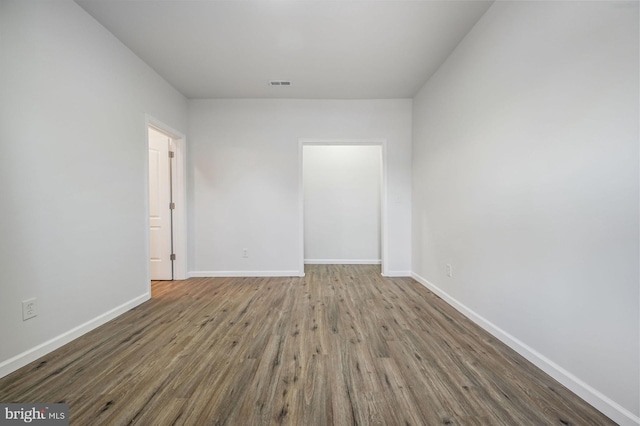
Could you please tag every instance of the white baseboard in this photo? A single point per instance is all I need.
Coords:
(607, 406)
(397, 274)
(216, 274)
(30, 355)
(342, 261)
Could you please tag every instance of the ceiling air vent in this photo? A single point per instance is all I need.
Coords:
(279, 83)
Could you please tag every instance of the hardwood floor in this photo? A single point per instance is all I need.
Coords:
(341, 346)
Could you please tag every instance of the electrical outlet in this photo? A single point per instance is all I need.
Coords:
(245, 253)
(449, 270)
(29, 309)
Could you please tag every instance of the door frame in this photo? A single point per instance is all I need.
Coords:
(179, 196)
(383, 193)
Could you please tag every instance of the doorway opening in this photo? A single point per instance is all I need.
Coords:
(166, 202)
(342, 186)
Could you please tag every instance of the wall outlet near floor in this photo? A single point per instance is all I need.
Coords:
(449, 270)
(245, 253)
(29, 309)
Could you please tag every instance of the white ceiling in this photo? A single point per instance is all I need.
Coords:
(328, 49)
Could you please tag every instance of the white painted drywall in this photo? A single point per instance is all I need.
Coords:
(74, 170)
(342, 203)
(243, 187)
(525, 179)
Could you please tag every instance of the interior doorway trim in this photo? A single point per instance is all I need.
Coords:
(383, 196)
(179, 197)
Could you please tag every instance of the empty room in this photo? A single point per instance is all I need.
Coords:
(317, 212)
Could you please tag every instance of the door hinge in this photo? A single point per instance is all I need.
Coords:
(172, 154)
(172, 206)
(172, 257)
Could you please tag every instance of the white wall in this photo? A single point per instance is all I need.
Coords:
(525, 179)
(73, 167)
(342, 203)
(243, 188)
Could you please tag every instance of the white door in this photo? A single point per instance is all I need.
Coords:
(159, 208)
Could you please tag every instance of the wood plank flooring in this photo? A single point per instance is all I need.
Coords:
(341, 346)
